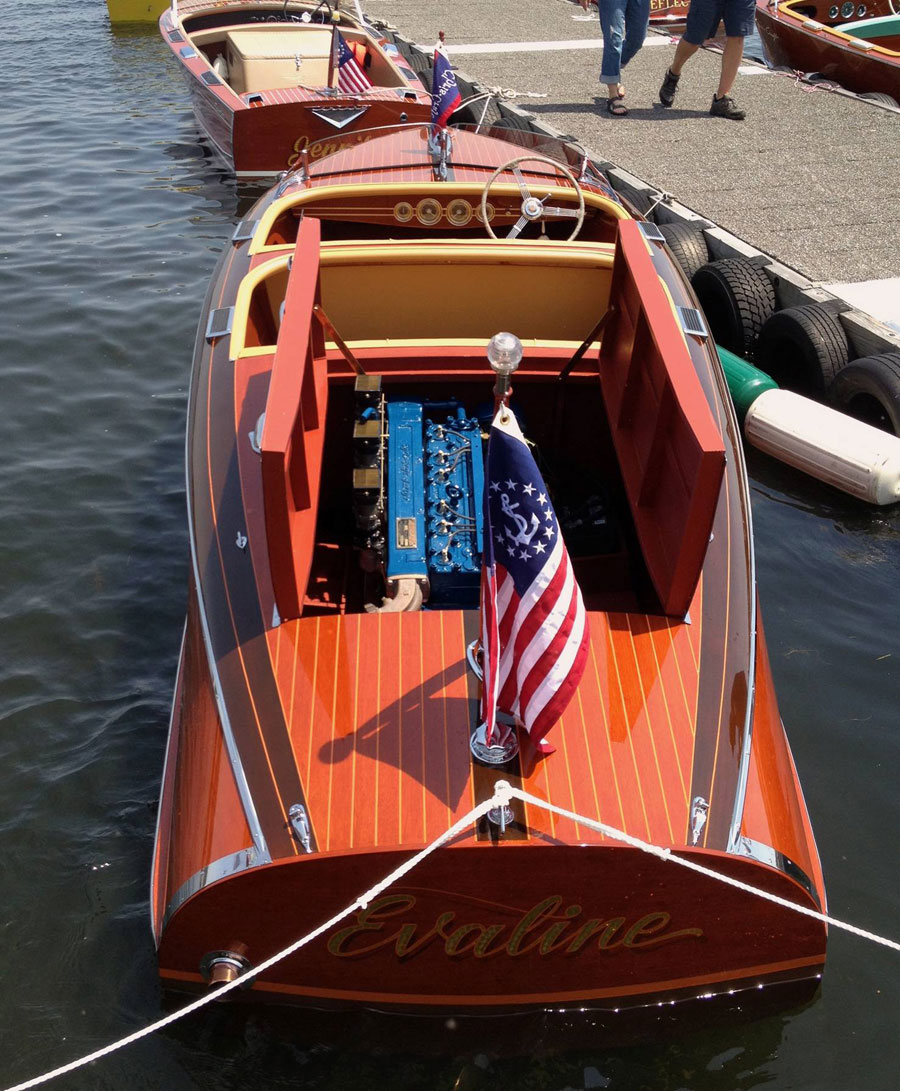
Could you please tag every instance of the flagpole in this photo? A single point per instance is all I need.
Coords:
(504, 352)
(334, 49)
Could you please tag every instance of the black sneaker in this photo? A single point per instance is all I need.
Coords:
(669, 87)
(726, 107)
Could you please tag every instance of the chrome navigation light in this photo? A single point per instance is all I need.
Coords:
(504, 353)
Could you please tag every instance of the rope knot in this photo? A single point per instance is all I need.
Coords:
(502, 796)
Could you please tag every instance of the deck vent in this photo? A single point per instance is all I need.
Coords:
(187, 52)
(651, 232)
(255, 99)
(692, 322)
(176, 36)
(220, 322)
(210, 78)
(246, 229)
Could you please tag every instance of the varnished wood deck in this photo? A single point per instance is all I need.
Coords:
(380, 708)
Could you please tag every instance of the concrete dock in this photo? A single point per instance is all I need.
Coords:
(811, 177)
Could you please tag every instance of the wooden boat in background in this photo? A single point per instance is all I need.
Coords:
(664, 13)
(856, 44)
(265, 84)
(322, 720)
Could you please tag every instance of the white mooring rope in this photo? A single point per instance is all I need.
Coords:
(503, 794)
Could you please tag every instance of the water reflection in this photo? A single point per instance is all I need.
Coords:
(228, 1048)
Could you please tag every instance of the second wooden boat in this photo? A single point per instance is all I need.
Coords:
(856, 44)
(269, 78)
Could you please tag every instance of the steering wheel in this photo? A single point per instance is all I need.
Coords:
(321, 4)
(534, 208)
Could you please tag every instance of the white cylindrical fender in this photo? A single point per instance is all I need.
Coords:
(830, 446)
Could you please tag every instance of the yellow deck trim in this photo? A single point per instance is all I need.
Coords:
(392, 190)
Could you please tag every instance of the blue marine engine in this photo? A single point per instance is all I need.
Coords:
(418, 486)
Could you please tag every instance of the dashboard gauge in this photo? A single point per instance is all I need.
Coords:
(459, 212)
(429, 211)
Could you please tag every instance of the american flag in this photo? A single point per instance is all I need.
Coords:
(534, 627)
(351, 76)
(445, 96)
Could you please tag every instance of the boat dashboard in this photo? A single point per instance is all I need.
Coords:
(874, 23)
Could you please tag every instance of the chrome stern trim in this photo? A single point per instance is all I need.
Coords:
(765, 854)
(224, 868)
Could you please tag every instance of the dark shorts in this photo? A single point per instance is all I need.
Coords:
(704, 15)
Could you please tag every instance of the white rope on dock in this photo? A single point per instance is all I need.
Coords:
(504, 793)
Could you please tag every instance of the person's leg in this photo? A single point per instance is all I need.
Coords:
(731, 62)
(683, 53)
(702, 14)
(740, 16)
(612, 23)
(637, 16)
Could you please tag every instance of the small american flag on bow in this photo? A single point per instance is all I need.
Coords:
(534, 628)
(351, 76)
(445, 96)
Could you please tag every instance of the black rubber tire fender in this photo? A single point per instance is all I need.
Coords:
(422, 65)
(869, 390)
(688, 246)
(639, 200)
(514, 122)
(880, 97)
(803, 348)
(737, 297)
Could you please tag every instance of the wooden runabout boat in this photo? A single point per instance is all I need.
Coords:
(268, 78)
(856, 44)
(329, 689)
(664, 13)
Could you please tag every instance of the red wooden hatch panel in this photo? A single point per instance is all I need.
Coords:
(294, 430)
(670, 451)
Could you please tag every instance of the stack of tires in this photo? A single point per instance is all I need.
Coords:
(804, 349)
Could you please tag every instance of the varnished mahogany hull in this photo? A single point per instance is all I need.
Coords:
(789, 42)
(263, 141)
(364, 721)
(663, 13)
(477, 929)
(262, 136)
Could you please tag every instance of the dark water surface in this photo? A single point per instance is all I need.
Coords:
(110, 222)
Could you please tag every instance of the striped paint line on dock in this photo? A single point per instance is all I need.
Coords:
(535, 47)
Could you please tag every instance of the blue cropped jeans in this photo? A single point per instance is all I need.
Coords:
(624, 26)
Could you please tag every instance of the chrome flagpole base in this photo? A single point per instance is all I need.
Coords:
(501, 816)
(495, 753)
